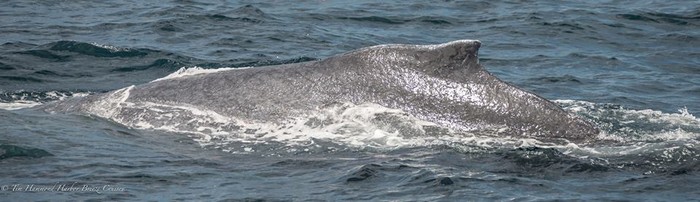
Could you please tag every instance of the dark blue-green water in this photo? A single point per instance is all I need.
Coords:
(631, 67)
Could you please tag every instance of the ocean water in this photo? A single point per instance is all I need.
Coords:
(630, 67)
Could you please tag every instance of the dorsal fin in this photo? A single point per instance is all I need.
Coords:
(444, 59)
(464, 51)
(440, 59)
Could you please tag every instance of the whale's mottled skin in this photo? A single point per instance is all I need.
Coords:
(442, 83)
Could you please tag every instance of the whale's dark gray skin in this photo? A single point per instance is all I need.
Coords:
(443, 84)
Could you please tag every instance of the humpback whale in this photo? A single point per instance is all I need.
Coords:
(440, 83)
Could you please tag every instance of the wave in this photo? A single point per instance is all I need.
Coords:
(665, 18)
(393, 20)
(83, 66)
(558, 79)
(97, 50)
(158, 64)
(13, 151)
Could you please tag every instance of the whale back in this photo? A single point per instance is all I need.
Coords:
(443, 84)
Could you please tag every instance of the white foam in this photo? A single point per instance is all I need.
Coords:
(18, 105)
(185, 71)
(111, 103)
(676, 135)
(109, 47)
(23, 101)
(352, 125)
(374, 126)
(640, 131)
(683, 117)
(359, 126)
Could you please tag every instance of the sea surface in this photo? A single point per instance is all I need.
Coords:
(631, 67)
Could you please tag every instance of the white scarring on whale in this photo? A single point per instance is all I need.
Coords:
(442, 84)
